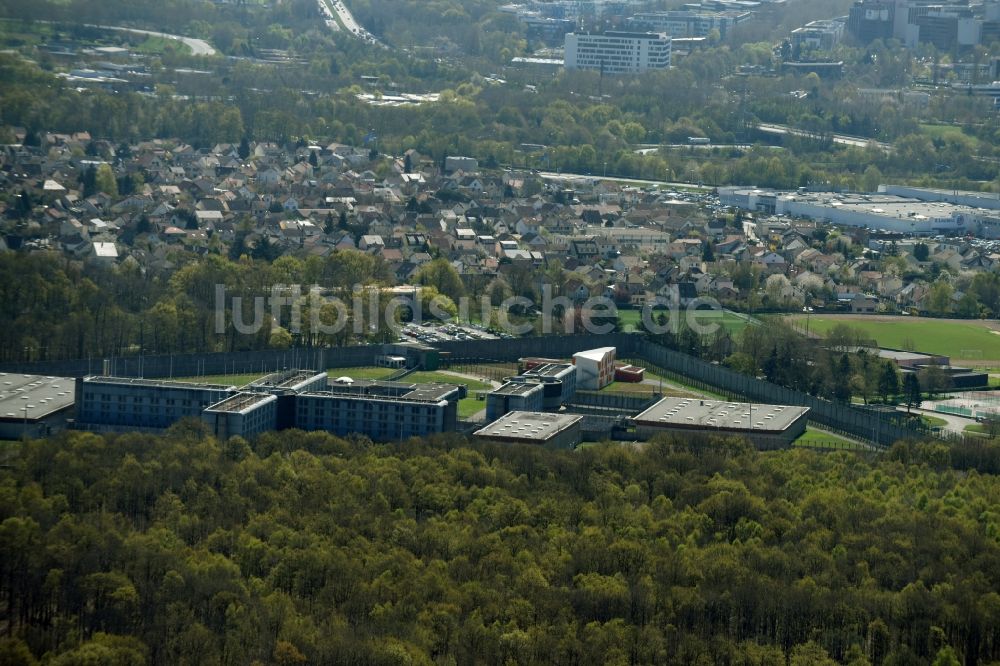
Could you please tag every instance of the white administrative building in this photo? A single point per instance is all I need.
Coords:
(617, 52)
(595, 368)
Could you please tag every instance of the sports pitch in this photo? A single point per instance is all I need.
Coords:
(961, 339)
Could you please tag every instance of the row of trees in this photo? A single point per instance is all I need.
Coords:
(838, 367)
(54, 308)
(306, 548)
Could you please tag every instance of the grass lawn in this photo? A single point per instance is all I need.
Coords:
(226, 380)
(467, 406)
(968, 340)
(816, 439)
(158, 45)
(361, 373)
(629, 387)
(426, 377)
(933, 421)
(631, 319)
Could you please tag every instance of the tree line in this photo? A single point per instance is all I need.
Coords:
(308, 548)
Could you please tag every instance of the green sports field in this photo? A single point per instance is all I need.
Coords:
(631, 319)
(967, 340)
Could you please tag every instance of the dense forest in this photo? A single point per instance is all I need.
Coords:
(305, 548)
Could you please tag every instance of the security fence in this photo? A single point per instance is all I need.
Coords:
(836, 417)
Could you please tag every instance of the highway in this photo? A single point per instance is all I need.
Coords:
(552, 175)
(858, 142)
(346, 19)
(199, 47)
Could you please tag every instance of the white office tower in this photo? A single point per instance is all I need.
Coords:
(617, 52)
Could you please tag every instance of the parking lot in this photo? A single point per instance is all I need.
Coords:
(440, 332)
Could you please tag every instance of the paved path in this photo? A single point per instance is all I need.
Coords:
(955, 423)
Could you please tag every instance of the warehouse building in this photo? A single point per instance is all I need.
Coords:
(558, 431)
(920, 213)
(34, 405)
(766, 426)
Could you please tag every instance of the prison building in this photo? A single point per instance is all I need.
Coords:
(595, 368)
(767, 426)
(524, 395)
(34, 405)
(244, 415)
(527, 363)
(116, 403)
(558, 380)
(559, 431)
(380, 412)
(290, 381)
(629, 373)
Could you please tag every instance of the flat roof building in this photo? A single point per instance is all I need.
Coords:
(767, 426)
(515, 396)
(290, 380)
(561, 431)
(34, 405)
(559, 380)
(243, 414)
(617, 52)
(919, 212)
(820, 35)
(385, 411)
(117, 403)
(291, 399)
(690, 23)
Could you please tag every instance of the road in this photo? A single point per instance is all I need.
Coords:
(858, 142)
(199, 47)
(651, 149)
(348, 21)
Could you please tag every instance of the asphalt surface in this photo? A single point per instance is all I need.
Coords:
(199, 47)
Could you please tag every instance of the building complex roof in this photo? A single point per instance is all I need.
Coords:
(528, 426)
(32, 397)
(711, 414)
